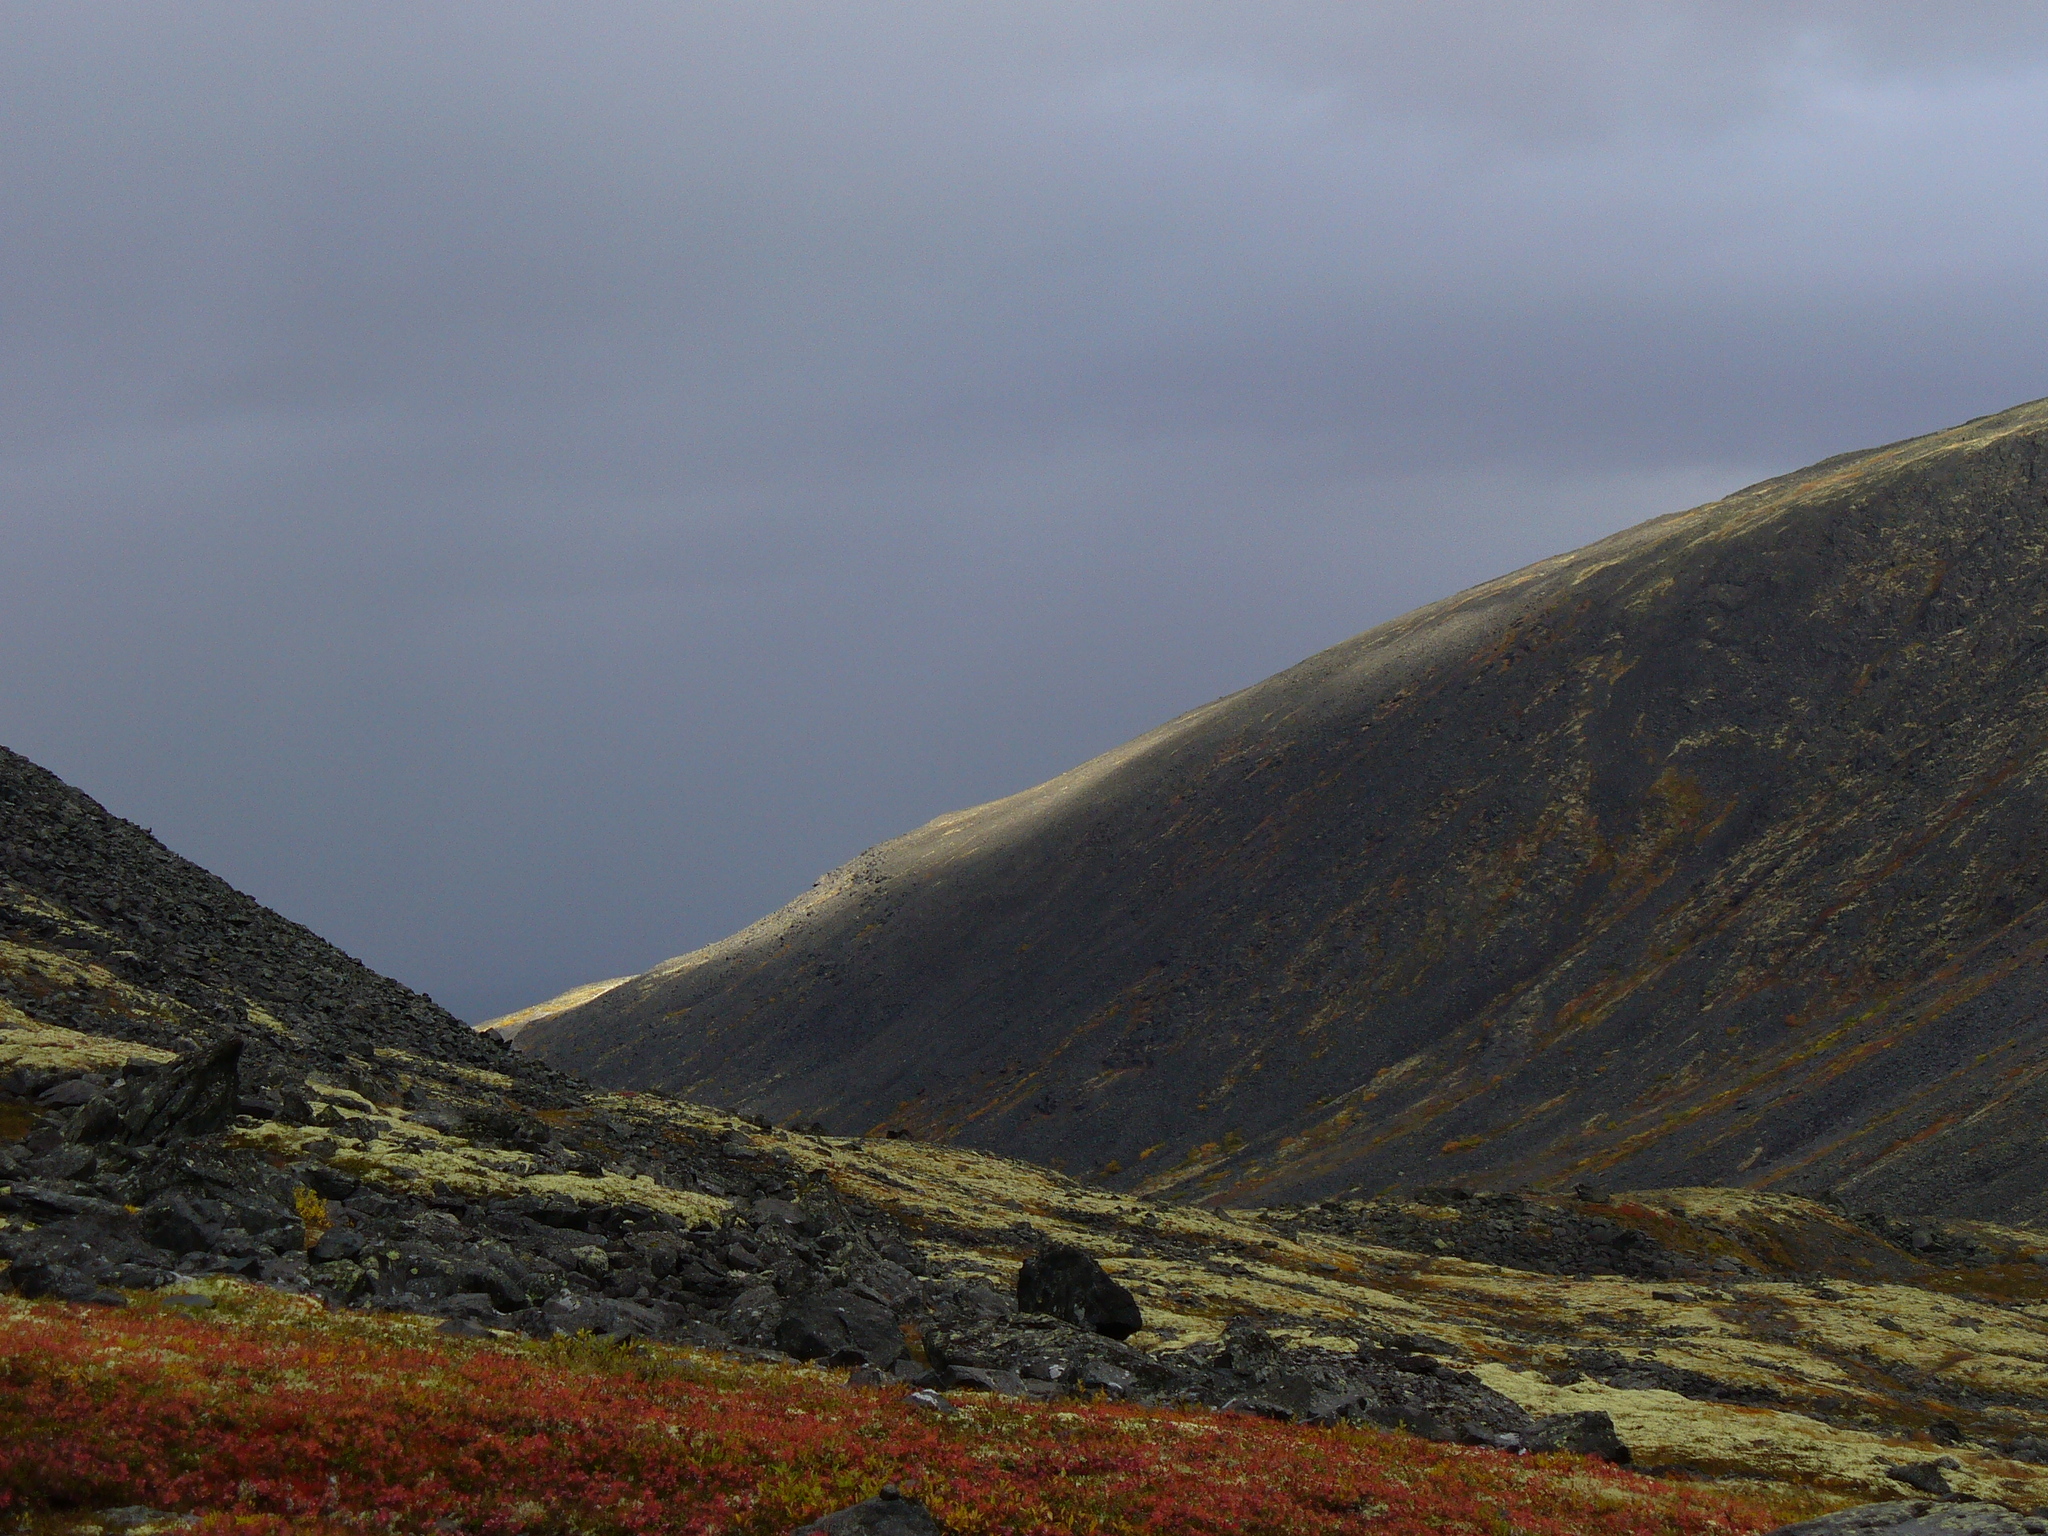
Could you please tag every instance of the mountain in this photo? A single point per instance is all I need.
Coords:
(104, 924)
(203, 1105)
(1710, 853)
(508, 1026)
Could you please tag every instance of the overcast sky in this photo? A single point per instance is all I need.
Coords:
(524, 489)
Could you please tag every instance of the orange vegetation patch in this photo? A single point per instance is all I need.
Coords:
(265, 1418)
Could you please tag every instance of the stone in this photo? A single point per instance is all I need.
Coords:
(1067, 1283)
(1919, 1517)
(69, 1095)
(337, 1243)
(38, 1281)
(477, 1273)
(2029, 1448)
(329, 1183)
(1922, 1475)
(1100, 1376)
(889, 1513)
(841, 1328)
(196, 1095)
(602, 1316)
(754, 1315)
(1582, 1434)
(1047, 1350)
(1007, 1383)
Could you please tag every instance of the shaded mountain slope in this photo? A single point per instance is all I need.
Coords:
(1712, 852)
(100, 923)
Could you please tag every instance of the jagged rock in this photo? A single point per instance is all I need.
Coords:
(499, 1278)
(1919, 1518)
(754, 1314)
(181, 1222)
(1005, 1383)
(840, 1328)
(197, 1095)
(1497, 1228)
(887, 1514)
(1065, 1282)
(69, 1095)
(342, 1281)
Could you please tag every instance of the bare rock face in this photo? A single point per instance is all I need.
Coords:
(1064, 1282)
(1709, 854)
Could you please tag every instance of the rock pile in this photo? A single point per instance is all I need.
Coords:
(1506, 1229)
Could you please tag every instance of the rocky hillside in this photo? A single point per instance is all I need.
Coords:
(1711, 853)
(198, 1098)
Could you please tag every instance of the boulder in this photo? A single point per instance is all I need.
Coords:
(839, 1327)
(1923, 1475)
(196, 1095)
(887, 1514)
(599, 1315)
(1582, 1434)
(39, 1280)
(1067, 1283)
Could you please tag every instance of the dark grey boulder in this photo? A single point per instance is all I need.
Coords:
(1922, 1475)
(337, 1243)
(499, 1279)
(1919, 1517)
(602, 1316)
(1067, 1283)
(841, 1328)
(1004, 1383)
(71, 1094)
(38, 1281)
(887, 1514)
(198, 1094)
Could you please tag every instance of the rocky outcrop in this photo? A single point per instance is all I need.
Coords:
(198, 1096)
(1500, 1228)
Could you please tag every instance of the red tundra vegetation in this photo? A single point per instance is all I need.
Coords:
(264, 1415)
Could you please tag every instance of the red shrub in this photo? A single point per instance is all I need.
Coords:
(272, 1421)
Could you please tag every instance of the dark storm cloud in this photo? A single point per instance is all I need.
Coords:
(525, 488)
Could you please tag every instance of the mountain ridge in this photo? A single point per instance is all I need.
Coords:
(1438, 881)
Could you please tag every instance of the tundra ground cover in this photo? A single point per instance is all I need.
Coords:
(264, 1416)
